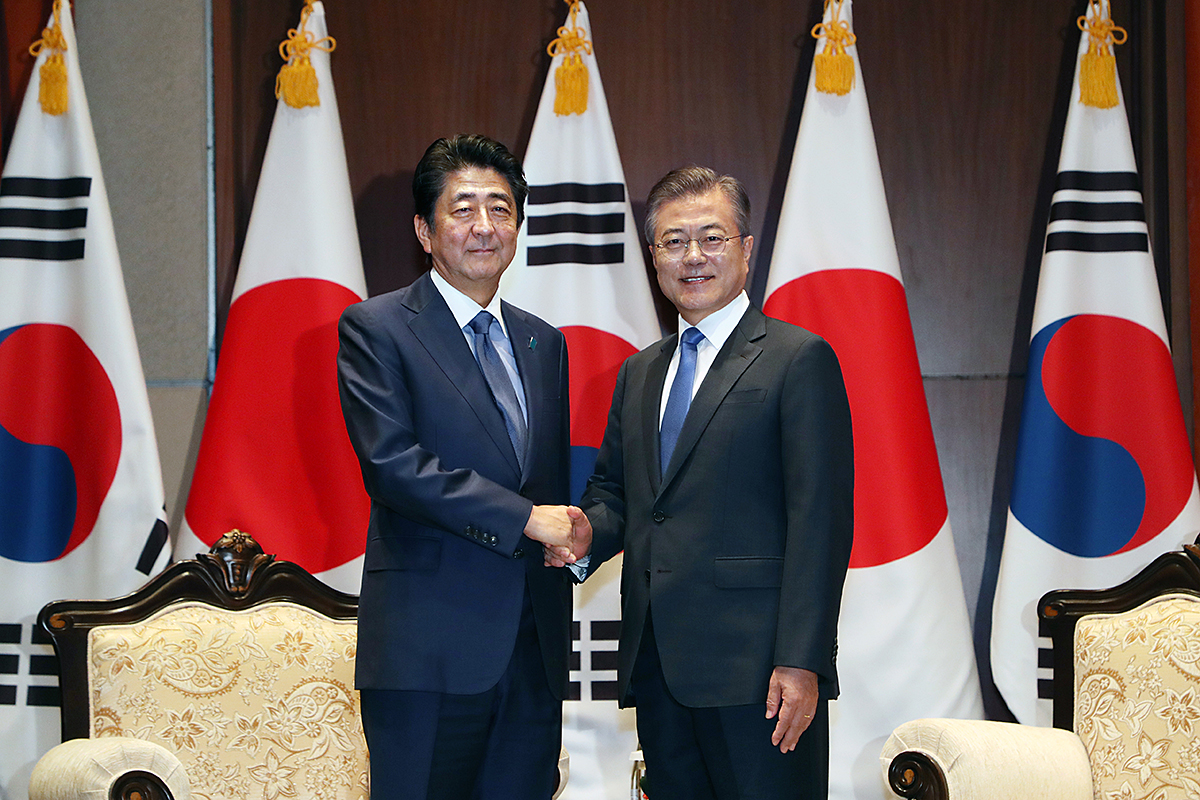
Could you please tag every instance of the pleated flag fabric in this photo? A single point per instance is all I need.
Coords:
(274, 458)
(1103, 480)
(81, 492)
(579, 266)
(905, 648)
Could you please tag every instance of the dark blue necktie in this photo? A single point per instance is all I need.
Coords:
(680, 397)
(499, 382)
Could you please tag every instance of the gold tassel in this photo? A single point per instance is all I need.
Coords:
(296, 83)
(52, 77)
(834, 66)
(1098, 67)
(571, 77)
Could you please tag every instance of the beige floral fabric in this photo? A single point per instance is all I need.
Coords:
(1137, 699)
(256, 704)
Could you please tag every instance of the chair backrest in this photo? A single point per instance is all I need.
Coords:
(1137, 698)
(1060, 611)
(240, 664)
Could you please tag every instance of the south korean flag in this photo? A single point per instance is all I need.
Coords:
(579, 266)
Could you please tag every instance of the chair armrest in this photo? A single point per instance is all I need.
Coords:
(109, 768)
(950, 759)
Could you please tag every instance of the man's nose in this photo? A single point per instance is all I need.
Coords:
(483, 225)
(692, 254)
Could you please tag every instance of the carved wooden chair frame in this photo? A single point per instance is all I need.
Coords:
(234, 575)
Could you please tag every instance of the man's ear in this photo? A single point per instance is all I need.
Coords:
(424, 235)
(747, 246)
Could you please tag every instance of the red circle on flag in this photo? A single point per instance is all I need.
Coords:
(1110, 378)
(595, 358)
(58, 395)
(275, 459)
(899, 502)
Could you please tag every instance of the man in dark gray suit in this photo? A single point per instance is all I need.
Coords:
(456, 404)
(726, 476)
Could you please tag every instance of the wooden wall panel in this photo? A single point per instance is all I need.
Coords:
(21, 24)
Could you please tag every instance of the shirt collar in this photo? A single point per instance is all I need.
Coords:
(718, 325)
(463, 307)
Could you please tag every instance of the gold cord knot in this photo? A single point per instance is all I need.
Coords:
(296, 83)
(52, 77)
(837, 34)
(1098, 67)
(571, 77)
(1102, 31)
(833, 65)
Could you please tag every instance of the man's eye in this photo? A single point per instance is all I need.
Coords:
(674, 241)
(712, 238)
(502, 210)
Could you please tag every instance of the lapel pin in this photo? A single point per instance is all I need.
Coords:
(532, 343)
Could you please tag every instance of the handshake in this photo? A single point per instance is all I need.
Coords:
(564, 531)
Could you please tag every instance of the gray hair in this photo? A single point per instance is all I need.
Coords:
(693, 181)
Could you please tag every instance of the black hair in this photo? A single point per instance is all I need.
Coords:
(447, 156)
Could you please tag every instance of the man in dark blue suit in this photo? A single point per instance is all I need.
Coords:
(457, 406)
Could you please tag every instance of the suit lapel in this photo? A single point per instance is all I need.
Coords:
(529, 366)
(656, 378)
(739, 352)
(434, 326)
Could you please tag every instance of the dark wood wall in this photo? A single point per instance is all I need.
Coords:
(21, 24)
(967, 100)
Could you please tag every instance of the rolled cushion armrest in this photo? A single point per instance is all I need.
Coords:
(89, 769)
(995, 760)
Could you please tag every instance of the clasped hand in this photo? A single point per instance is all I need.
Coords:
(564, 531)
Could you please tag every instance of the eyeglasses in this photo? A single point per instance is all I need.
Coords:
(711, 245)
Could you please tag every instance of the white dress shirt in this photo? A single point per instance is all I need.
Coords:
(716, 328)
(464, 310)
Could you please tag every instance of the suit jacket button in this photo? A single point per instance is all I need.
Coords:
(659, 516)
(648, 572)
(518, 553)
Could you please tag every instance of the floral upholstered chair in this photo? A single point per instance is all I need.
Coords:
(229, 677)
(1126, 700)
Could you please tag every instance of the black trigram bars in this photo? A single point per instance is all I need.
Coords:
(603, 630)
(15, 670)
(600, 230)
(1045, 685)
(1097, 213)
(26, 228)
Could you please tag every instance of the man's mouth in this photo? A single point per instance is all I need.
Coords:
(696, 279)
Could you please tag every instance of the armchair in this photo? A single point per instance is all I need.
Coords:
(227, 676)
(1126, 705)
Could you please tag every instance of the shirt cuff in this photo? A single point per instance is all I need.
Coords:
(580, 568)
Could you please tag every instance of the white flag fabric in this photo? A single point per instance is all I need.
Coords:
(275, 460)
(579, 267)
(905, 647)
(1103, 480)
(81, 493)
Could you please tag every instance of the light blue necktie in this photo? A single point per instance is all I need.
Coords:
(680, 398)
(499, 382)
